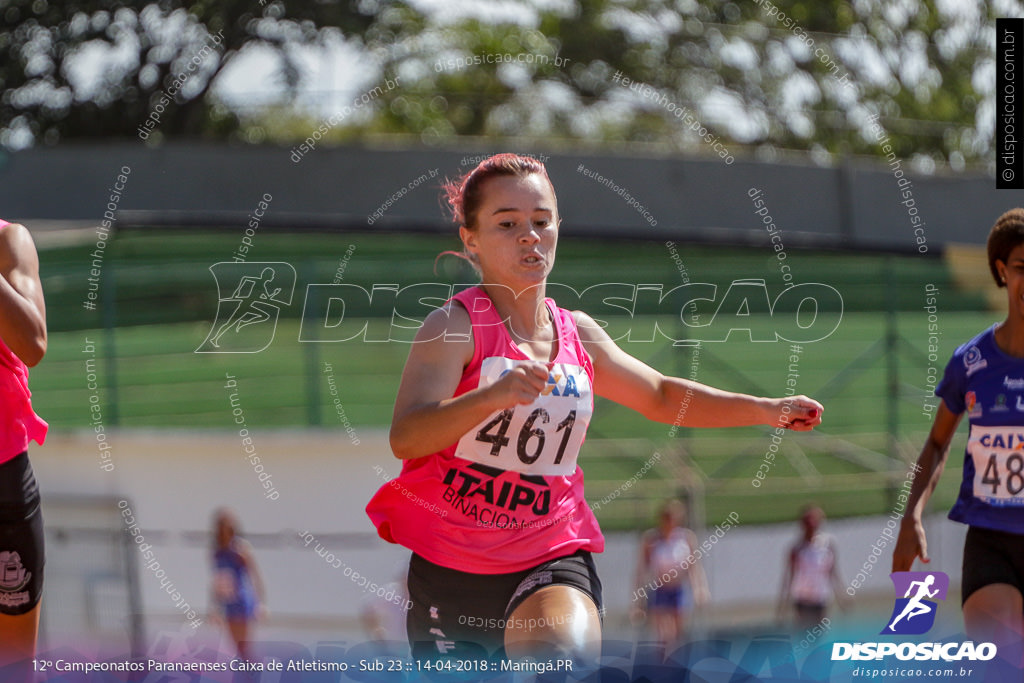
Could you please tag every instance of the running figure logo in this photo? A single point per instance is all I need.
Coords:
(914, 613)
(247, 318)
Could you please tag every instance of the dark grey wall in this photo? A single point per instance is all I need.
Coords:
(695, 199)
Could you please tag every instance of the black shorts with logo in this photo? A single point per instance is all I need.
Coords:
(453, 610)
(22, 553)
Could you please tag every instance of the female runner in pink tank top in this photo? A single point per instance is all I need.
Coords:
(490, 415)
(22, 343)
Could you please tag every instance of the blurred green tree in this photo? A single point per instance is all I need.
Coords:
(807, 75)
(98, 68)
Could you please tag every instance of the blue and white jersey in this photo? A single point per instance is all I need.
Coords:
(988, 385)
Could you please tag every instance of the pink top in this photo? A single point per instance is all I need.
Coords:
(19, 424)
(513, 497)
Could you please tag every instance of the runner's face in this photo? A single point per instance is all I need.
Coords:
(225, 530)
(670, 519)
(811, 520)
(517, 231)
(1012, 273)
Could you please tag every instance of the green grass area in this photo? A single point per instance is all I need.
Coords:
(159, 380)
(160, 300)
(159, 277)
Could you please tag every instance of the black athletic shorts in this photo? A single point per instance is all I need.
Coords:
(21, 538)
(453, 610)
(991, 557)
(809, 612)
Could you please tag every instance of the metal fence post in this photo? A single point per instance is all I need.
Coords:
(892, 337)
(108, 302)
(312, 352)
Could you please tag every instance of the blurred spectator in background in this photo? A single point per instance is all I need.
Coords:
(811, 577)
(238, 595)
(673, 579)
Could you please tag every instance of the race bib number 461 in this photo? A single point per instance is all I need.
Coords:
(543, 437)
(998, 454)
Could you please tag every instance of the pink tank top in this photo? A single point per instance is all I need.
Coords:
(19, 424)
(509, 495)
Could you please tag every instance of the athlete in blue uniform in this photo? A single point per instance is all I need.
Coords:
(237, 586)
(985, 380)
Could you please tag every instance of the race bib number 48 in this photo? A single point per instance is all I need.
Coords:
(998, 454)
(543, 437)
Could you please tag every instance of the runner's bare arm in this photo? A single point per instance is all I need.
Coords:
(836, 580)
(22, 309)
(781, 609)
(643, 559)
(698, 579)
(427, 418)
(245, 550)
(626, 380)
(911, 542)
